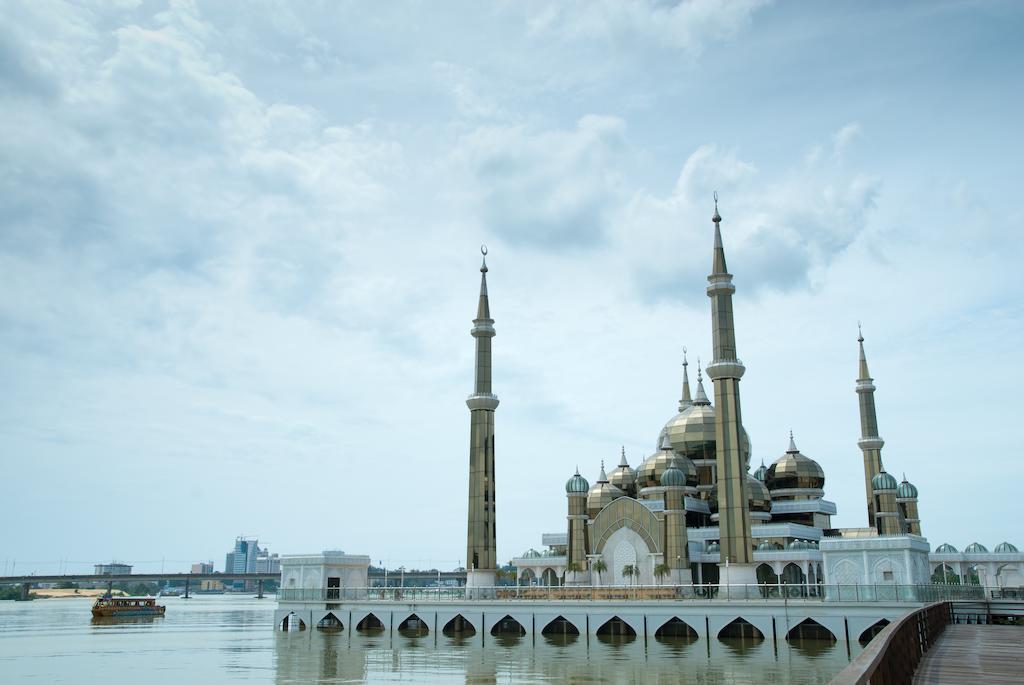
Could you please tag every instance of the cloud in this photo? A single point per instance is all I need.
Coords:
(779, 232)
(687, 25)
(549, 188)
(844, 137)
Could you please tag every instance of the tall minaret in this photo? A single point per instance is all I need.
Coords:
(725, 371)
(685, 401)
(870, 443)
(481, 551)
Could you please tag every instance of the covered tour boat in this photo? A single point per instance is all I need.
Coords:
(109, 607)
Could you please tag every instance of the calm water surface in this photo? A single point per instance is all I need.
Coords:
(218, 639)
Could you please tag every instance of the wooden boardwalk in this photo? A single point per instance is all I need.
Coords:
(975, 654)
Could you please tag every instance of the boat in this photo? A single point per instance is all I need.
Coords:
(111, 607)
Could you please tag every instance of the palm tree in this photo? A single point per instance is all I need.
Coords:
(598, 567)
(661, 570)
(573, 568)
(628, 571)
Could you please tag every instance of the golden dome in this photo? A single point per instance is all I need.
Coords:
(794, 470)
(758, 497)
(692, 431)
(650, 471)
(623, 477)
(601, 494)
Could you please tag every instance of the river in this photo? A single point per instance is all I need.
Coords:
(223, 638)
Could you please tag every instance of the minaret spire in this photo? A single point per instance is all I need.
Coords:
(725, 371)
(685, 400)
(481, 545)
(870, 442)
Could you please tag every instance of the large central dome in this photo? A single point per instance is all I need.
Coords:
(692, 431)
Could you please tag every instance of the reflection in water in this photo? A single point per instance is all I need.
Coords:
(213, 640)
(676, 645)
(812, 648)
(106, 621)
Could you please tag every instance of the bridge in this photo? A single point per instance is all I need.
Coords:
(393, 578)
(945, 643)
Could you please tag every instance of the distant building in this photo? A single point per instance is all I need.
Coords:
(114, 568)
(248, 557)
(203, 567)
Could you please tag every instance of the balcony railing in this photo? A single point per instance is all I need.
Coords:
(887, 593)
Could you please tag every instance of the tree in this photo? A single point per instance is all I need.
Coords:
(598, 567)
(661, 570)
(628, 571)
(573, 568)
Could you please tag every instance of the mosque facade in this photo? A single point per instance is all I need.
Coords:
(694, 512)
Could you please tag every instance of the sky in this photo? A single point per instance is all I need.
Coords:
(239, 252)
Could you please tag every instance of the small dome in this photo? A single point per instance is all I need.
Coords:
(713, 548)
(1005, 548)
(650, 471)
(577, 484)
(883, 481)
(601, 494)
(623, 476)
(673, 475)
(975, 548)
(531, 554)
(758, 497)
(946, 548)
(761, 472)
(765, 546)
(906, 490)
(794, 470)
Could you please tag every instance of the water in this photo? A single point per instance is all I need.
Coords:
(219, 639)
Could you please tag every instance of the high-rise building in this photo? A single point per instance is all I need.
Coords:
(112, 569)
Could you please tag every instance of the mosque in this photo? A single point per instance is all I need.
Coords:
(693, 512)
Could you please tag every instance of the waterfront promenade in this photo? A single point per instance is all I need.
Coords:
(978, 654)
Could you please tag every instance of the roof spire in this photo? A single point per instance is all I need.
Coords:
(718, 262)
(863, 375)
(702, 397)
(623, 462)
(483, 309)
(602, 478)
(685, 401)
(792, 444)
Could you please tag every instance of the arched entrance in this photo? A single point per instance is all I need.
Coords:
(527, 577)
(508, 626)
(675, 627)
(330, 623)
(872, 630)
(413, 626)
(616, 627)
(740, 628)
(560, 626)
(370, 624)
(809, 629)
(549, 578)
(458, 627)
(292, 622)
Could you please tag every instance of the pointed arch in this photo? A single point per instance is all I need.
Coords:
(459, 626)
(330, 623)
(872, 630)
(560, 625)
(809, 629)
(549, 578)
(615, 626)
(766, 574)
(508, 626)
(370, 623)
(291, 621)
(527, 577)
(413, 626)
(676, 627)
(740, 627)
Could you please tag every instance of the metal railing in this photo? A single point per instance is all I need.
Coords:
(918, 594)
(893, 655)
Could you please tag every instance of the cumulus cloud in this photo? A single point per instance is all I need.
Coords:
(780, 230)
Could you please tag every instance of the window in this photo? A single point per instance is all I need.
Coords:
(886, 575)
